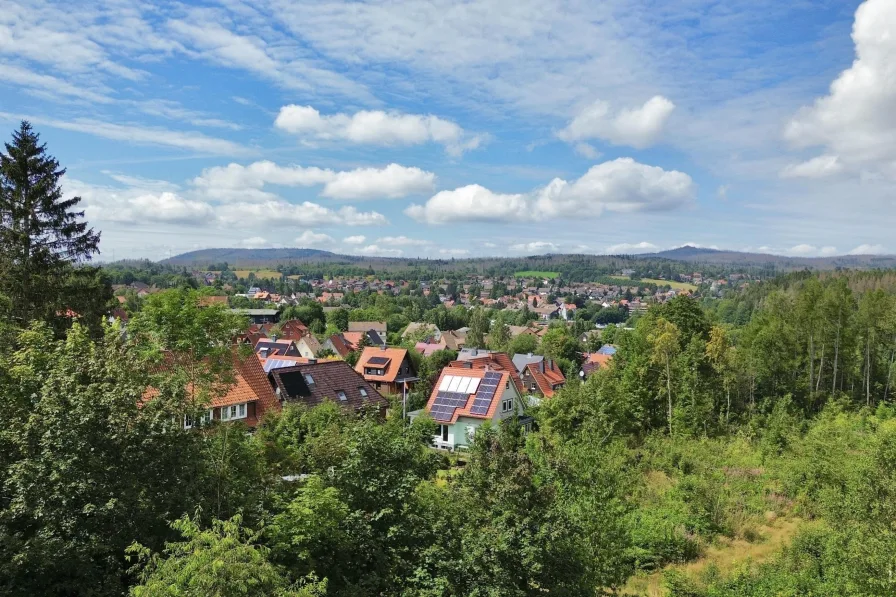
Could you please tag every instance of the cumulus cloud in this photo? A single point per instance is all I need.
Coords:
(856, 121)
(378, 251)
(828, 251)
(454, 252)
(305, 214)
(803, 249)
(624, 248)
(138, 205)
(254, 242)
(636, 127)
(621, 185)
(376, 128)
(354, 240)
(868, 249)
(236, 182)
(309, 238)
(818, 167)
(538, 246)
(587, 150)
(402, 241)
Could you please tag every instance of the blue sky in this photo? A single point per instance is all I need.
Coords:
(464, 129)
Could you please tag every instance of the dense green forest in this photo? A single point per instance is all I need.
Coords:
(759, 424)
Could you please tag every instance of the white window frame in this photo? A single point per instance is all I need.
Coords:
(363, 392)
(341, 395)
(507, 405)
(234, 412)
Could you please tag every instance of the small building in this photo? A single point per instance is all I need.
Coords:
(463, 399)
(266, 348)
(315, 382)
(388, 369)
(365, 326)
(308, 346)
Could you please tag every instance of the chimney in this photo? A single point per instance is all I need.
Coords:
(274, 337)
(383, 347)
(541, 365)
(468, 364)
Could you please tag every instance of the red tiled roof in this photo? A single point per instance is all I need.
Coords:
(495, 361)
(396, 357)
(465, 412)
(545, 381)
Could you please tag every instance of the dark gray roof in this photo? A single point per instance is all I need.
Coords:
(521, 360)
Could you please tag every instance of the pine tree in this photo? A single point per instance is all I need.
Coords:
(41, 234)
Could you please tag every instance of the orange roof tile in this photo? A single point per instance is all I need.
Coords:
(465, 412)
(396, 357)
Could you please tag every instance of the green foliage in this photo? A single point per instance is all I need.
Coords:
(224, 560)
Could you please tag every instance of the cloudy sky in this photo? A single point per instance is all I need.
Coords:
(452, 128)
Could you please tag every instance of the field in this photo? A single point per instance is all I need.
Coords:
(675, 285)
(261, 273)
(536, 274)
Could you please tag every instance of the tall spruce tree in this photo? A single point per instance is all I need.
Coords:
(41, 233)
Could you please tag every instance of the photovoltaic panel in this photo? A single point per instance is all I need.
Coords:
(446, 381)
(486, 393)
(455, 383)
(378, 360)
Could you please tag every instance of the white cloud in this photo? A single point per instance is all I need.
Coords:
(354, 240)
(869, 250)
(254, 242)
(283, 213)
(856, 121)
(376, 250)
(174, 111)
(489, 245)
(622, 185)
(138, 206)
(392, 182)
(827, 251)
(376, 128)
(50, 85)
(625, 248)
(638, 127)
(236, 182)
(818, 167)
(402, 241)
(139, 135)
(802, 250)
(722, 192)
(587, 150)
(309, 238)
(535, 247)
(454, 252)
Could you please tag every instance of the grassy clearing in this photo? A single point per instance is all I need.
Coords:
(725, 555)
(536, 274)
(261, 273)
(675, 285)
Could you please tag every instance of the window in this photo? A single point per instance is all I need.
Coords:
(207, 416)
(341, 395)
(308, 379)
(234, 411)
(443, 432)
(507, 405)
(188, 422)
(363, 392)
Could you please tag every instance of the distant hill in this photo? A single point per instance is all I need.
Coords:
(736, 258)
(262, 258)
(257, 257)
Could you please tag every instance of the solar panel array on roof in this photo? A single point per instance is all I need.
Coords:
(446, 403)
(271, 364)
(456, 383)
(607, 349)
(378, 360)
(487, 389)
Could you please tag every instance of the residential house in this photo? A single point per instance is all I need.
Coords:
(347, 342)
(388, 369)
(309, 347)
(544, 377)
(418, 327)
(315, 382)
(608, 349)
(567, 311)
(471, 353)
(593, 362)
(278, 362)
(269, 347)
(465, 398)
(365, 326)
(546, 312)
(293, 329)
(493, 361)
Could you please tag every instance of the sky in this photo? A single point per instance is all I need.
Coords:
(447, 128)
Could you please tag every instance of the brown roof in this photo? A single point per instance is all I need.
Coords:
(545, 380)
(293, 330)
(339, 344)
(363, 326)
(465, 411)
(207, 301)
(329, 378)
(494, 361)
(395, 358)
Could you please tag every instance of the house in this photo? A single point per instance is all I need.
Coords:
(308, 347)
(465, 398)
(593, 362)
(260, 315)
(428, 348)
(568, 311)
(543, 377)
(347, 342)
(417, 327)
(293, 329)
(365, 326)
(608, 349)
(471, 353)
(521, 360)
(493, 361)
(388, 369)
(338, 344)
(278, 362)
(546, 312)
(268, 347)
(315, 382)
(247, 399)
